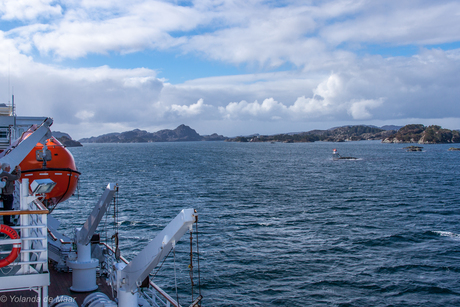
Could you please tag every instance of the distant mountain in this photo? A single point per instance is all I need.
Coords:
(182, 133)
(417, 133)
(59, 134)
(338, 134)
(386, 127)
(65, 139)
(391, 127)
(388, 134)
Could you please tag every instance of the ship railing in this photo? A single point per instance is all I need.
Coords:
(153, 294)
(29, 271)
(32, 236)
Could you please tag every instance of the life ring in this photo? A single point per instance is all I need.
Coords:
(10, 232)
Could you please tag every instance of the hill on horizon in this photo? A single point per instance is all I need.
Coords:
(182, 133)
(388, 133)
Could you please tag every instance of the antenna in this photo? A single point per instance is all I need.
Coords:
(13, 107)
(9, 75)
(15, 128)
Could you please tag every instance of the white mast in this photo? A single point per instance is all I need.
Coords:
(13, 132)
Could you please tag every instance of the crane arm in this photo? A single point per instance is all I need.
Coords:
(14, 155)
(141, 266)
(83, 235)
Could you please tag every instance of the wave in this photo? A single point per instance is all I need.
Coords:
(446, 234)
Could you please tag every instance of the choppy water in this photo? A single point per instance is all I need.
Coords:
(284, 225)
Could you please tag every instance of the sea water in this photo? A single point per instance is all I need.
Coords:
(285, 224)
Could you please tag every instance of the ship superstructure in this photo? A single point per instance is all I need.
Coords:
(39, 266)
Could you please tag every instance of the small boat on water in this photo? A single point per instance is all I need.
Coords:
(413, 148)
(337, 156)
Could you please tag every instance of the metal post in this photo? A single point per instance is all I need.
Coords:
(24, 221)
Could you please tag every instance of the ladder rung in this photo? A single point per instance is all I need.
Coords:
(29, 262)
(34, 238)
(12, 241)
(30, 226)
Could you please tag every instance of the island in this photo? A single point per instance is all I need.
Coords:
(417, 133)
(65, 139)
(413, 133)
(338, 134)
(182, 133)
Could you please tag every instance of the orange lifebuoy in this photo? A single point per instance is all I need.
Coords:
(10, 232)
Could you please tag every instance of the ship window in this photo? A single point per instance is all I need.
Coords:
(3, 134)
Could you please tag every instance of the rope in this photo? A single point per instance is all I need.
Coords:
(175, 276)
(191, 260)
(115, 220)
(153, 275)
(198, 257)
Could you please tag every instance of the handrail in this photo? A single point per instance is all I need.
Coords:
(56, 239)
(41, 210)
(20, 212)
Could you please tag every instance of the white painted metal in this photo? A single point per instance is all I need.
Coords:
(83, 270)
(84, 267)
(24, 147)
(17, 282)
(32, 275)
(98, 299)
(33, 263)
(83, 235)
(63, 301)
(83, 274)
(141, 266)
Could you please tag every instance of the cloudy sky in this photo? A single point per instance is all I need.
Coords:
(231, 66)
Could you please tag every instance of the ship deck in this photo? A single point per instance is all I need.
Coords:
(60, 283)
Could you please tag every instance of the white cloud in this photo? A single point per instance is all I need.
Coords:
(101, 98)
(310, 107)
(361, 109)
(191, 110)
(328, 99)
(269, 109)
(398, 23)
(28, 9)
(84, 115)
(320, 80)
(239, 32)
(114, 26)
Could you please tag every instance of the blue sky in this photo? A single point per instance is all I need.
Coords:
(170, 66)
(231, 66)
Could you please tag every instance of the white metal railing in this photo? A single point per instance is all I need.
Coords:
(29, 271)
(156, 297)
